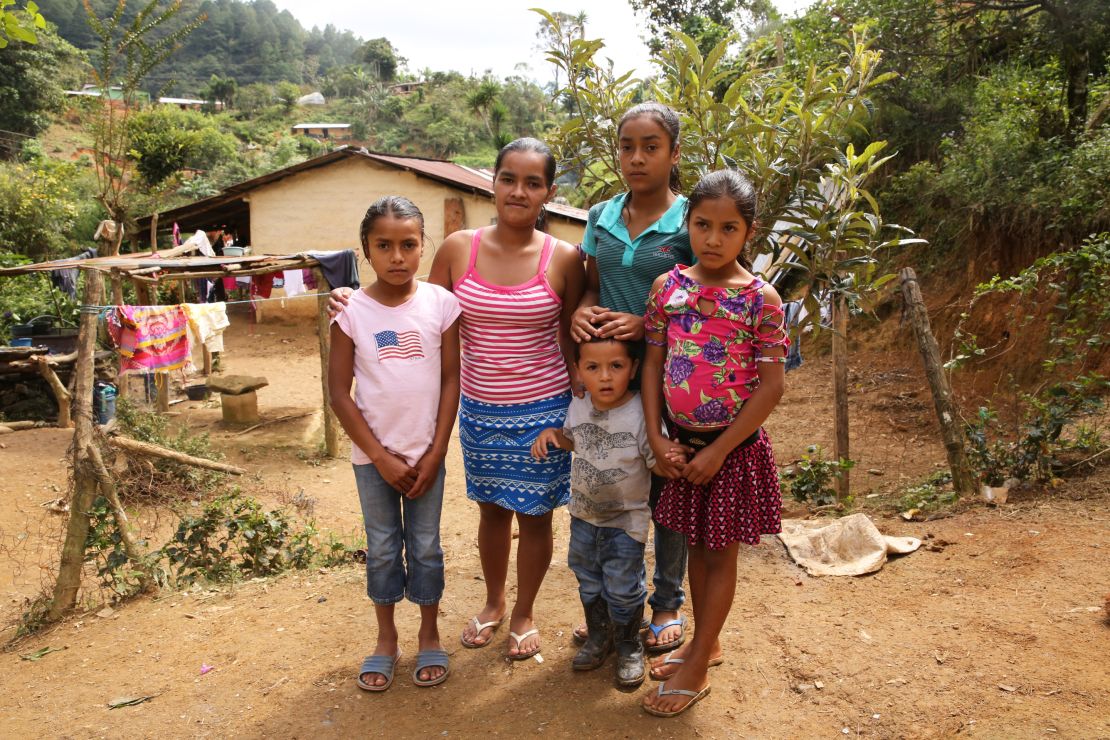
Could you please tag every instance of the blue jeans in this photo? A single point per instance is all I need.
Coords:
(395, 524)
(670, 560)
(608, 564)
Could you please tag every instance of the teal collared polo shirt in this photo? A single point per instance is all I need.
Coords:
(627, 267)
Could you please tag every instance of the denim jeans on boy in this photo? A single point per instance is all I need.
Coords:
(670, 560)
(610, 564)
(396, 525)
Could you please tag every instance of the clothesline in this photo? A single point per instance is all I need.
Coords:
(91, 308)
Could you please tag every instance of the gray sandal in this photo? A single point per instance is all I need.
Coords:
(381, 664)
(431, 659)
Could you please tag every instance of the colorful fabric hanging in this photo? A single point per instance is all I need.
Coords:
(150, 338)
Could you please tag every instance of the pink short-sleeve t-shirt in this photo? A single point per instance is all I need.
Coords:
(397, 366)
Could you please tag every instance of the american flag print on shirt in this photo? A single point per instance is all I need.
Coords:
(398, 345)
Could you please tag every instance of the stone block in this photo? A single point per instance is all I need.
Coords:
(240, 409)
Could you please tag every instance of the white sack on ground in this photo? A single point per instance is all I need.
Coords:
(850, 546)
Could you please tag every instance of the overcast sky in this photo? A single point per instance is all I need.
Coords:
(472, 37)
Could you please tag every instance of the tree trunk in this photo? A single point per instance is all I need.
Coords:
(323, 330)
(108, 491)
(1077, 67)
(963, 479)
(154, 233)
(84, 482)
(145, 448)
(840, 390)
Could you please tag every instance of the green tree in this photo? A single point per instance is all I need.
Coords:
(31, 86)
(287, 94)
(792, 139)
(127, 52)
(707, 21)
(165, 140)
(221, 90)
(382, 59)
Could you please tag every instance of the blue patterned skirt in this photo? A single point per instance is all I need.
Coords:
(496, 443)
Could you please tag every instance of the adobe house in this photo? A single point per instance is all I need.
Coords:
(324, 131)
(318, 205)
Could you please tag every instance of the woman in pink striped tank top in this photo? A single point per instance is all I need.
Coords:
(517, 288)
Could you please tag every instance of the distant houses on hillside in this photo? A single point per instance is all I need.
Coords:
(115, 94)
(324, 131)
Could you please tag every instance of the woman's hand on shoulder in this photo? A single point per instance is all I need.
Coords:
(337, 300)
(451, 259)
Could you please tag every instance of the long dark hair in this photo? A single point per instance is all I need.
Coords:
(668, 120)
(737, 188)
(397, 206)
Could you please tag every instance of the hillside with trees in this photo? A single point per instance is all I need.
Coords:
(245, 41)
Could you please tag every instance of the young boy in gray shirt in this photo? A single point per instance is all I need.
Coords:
(609, 488)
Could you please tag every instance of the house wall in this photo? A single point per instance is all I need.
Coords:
(321, 209)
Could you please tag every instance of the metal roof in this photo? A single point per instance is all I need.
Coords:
(449, 173)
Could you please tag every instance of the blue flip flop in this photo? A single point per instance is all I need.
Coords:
(656, 629)
(381, 664)
(431, 659)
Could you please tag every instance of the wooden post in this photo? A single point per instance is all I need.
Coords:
(117, 287)
(963, 479)
(154, 233)
(61, 393)
(108, 491)
(323, 330)
(84, 480)
(839, 308)
(207, 354)
(454, 215)
(161, 377)
(181, 291)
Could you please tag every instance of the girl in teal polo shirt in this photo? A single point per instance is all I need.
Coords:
(631, 240)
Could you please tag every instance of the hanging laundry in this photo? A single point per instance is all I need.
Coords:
(294, 283)
(199, 240)
(262, 285)
(66, 280)
(340, 268)
(150, 337)
(207, 322)
(229, 283)
(308, 277)
(793, 313)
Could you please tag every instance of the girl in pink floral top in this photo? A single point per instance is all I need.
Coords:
(716, 348)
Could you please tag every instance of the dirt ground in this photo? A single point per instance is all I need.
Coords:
(995, 630)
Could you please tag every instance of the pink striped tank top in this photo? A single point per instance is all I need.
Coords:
(510, 347)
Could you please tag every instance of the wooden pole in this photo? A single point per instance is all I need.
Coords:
(840, 390)
(61, 393)
(154, 233)
(161, 377)
(323, 330)
(108, 491)
(964, 479)
(84, 481)
(145, 448)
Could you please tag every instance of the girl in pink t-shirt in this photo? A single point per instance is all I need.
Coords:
(399, 341)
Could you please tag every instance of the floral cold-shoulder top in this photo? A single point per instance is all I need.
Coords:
(711, 357)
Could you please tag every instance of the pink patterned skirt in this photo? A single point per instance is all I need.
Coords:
(742, 502)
